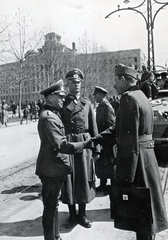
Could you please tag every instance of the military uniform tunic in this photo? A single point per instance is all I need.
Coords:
(54, 145)
(80, 123)
(136, 161)
(105, 118)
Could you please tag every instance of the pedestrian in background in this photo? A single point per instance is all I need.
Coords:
(4, 109)
(25, 114)
(30, 110)
(136, 164)
(80, 123)
(35, 110)
(13, 107)
(53, 162)
(105, 118)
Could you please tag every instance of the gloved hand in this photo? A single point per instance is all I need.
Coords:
(97, 139)
(88, 143)
(96, 156)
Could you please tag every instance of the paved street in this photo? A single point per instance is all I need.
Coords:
(20, 198)
(18, 143)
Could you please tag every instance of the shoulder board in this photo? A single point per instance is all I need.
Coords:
(106, 102)
(47, 112)
(126, 93)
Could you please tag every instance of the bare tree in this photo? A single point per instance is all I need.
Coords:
(19, 49)
(55, 60)
(85, 60)
(4, 25)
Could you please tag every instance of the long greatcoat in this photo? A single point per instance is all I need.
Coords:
(105, 118)
(137, 165)
(80, 123)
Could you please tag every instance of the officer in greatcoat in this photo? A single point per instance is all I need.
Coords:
(136, 164)
(53, 162)
(80, 123)
(105, 118)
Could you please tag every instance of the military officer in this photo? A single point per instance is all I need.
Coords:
(136, 162)
(80, 123)
(105, 118)
(53, 162)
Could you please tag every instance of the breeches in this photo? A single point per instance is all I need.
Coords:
(51, 187)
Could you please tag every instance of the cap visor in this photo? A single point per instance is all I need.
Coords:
(61, 93)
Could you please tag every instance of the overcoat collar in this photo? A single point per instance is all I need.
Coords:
(75, 107)
(133, 88)
(101, 105)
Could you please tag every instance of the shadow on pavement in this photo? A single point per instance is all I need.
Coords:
(23, 189)
(33, 228)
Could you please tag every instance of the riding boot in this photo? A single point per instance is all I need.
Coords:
(102, 187)
(82, 219)
(56, 220)
(72, 220)
(72, 211)
(48, 225)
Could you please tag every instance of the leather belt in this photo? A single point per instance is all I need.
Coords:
(145, 137)
(147, 144)
(145, 141)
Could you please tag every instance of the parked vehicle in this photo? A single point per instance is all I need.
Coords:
(160, 133)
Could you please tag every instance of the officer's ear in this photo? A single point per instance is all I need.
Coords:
(123, 80)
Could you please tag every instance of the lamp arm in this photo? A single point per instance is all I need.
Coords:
(129, 8)
(158, 11)
(160, 2)
(140, 4)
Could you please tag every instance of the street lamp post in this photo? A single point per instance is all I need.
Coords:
(149, 20)
(166, 65)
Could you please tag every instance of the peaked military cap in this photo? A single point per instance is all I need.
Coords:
(121, 69)
(74, 74)
(57, 88)
(99, 90)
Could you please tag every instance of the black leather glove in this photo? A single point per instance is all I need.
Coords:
(97, 139)
(88, 143)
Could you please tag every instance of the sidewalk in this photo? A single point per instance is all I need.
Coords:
(12, 121)
(21, 213)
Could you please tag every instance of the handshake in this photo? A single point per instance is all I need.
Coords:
(92, 142)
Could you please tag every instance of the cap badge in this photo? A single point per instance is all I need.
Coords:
(75, 76)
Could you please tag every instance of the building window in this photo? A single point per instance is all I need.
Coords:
(135, 59)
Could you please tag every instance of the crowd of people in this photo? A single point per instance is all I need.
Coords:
(31, 111)
(76, 146)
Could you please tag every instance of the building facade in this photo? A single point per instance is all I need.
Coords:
(22, 81)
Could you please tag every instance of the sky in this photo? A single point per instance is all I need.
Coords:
(73, 19)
